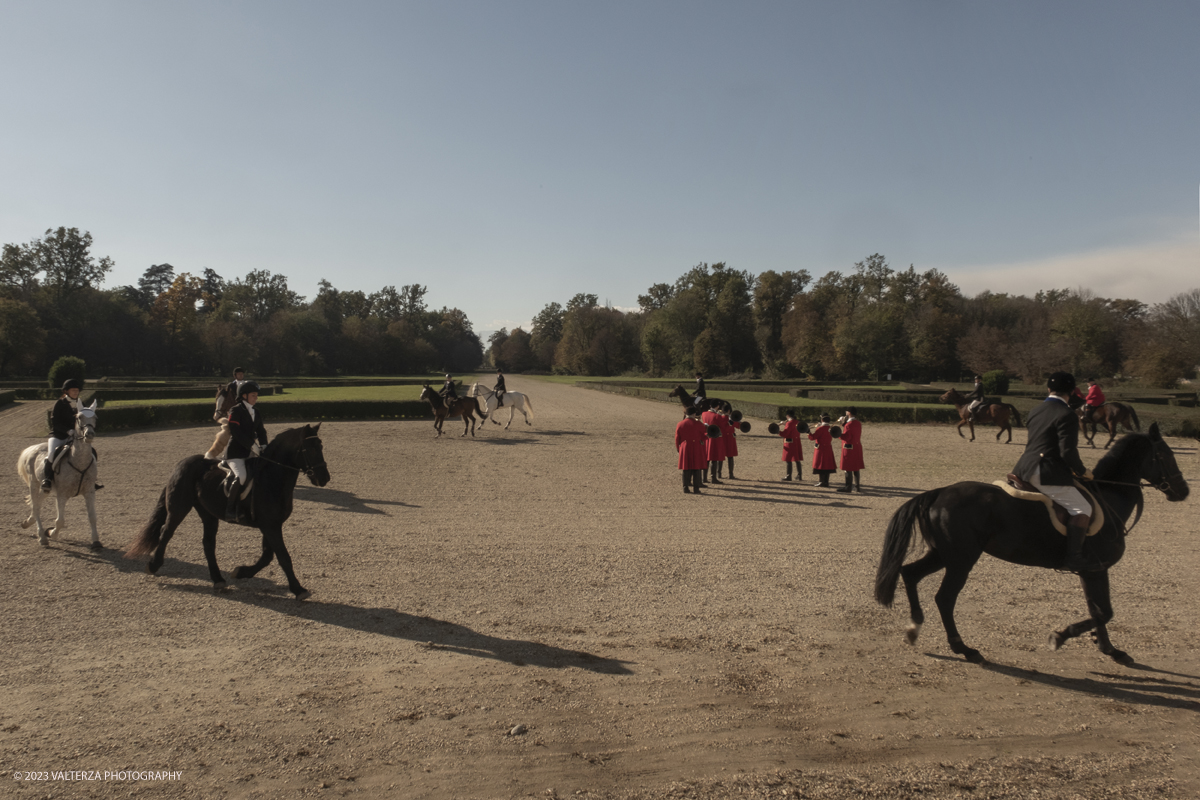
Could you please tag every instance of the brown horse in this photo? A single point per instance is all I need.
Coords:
(468, 407)
(998, 413)
(1111, 416)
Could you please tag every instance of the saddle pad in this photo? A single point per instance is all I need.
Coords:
(228, 470)
(1097, 512)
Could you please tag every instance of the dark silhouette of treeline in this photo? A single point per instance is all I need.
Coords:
(51, 305)
(866, 324)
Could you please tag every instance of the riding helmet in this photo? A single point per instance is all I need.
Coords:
(1061, 382)
(72, 383)
(247, 388)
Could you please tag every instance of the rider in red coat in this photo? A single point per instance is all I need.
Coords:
(852, 454)
(1094, 399)
(823, 463)
(793, 447)
(690, 435)
(716, 445)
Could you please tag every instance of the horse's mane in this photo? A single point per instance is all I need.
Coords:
(290, 440)
(1118, 459)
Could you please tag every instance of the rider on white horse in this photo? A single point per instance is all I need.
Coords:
(62, 427)
(499, 389)
(247, 438)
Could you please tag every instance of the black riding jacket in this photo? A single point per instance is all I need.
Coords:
(62, 418)
(245, 431)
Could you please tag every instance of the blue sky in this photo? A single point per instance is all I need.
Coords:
(511, 154)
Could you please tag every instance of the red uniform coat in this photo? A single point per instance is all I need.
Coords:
(793, 450)
(1095, 397)
(689, 441)
(852, 454)
(716, 447)
(823, 455)
(729, 436)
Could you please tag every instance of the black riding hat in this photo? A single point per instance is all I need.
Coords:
(1061, 382)
(72, 383)
(247, 388)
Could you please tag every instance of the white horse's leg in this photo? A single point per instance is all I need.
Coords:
(90, 500)
(60, 522)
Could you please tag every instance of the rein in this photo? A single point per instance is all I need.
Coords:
(306, 469)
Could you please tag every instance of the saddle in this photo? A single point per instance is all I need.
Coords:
(230, 479)
(1022, 490)
(61, 452)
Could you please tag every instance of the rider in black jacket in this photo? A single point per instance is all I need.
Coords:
(247, 436)
(499, 389)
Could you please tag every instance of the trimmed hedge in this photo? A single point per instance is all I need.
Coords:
(279, 411)
(866, 396)
(105, 394)
(7, 396)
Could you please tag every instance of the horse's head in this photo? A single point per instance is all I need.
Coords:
(952, 397)
(1161, 471)
(676, 392)
(224, 401)
(85, 423)
(312, 456)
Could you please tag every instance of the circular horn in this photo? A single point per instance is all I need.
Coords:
(835, 431)
(714, 431)
(736, 416)
(803, 427)
(744, 427)
(773, 429)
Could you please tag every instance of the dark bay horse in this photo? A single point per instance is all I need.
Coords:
(686, 400)
(196, 484)
(468, 407)
(961, 522)
(998, 413)
(1111, 416)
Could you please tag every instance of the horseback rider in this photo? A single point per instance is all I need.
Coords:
(976, 398)
(62, 428)
(499, 389)
(701, 395)
(247, 438)
(449, 392)
(1051, 462)
(239, 377)
(1094, 399)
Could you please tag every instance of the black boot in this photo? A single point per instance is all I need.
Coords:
(696, 481)
(687, 480)
(48, 476)
(857, 483)
(1076, 561)
(730, 460)
(789, 469)
(234, 489)
(849, 484)
(713, 479)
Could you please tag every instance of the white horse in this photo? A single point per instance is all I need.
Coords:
(75, 475)
(513, 401)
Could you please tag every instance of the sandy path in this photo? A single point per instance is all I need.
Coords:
(654, 644)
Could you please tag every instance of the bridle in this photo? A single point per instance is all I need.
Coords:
(1163, 485)
(307, 469)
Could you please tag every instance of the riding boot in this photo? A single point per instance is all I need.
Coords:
(696, 480)
(235, 489)
(857, 482)
(48, 476)
(687, 480)
(789, 470)
(730, 460)
(1076, 561)
(714, 465)
(849, 483)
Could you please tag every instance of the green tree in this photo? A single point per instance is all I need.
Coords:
(22, 338)
(259, 295)
(64, 256)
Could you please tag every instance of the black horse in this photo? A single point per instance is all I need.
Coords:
(961, 522)
(706, 403)
(196, 483)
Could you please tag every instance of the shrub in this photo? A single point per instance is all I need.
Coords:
(64, 369)
(995, 382)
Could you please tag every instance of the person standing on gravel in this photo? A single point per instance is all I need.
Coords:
(689, 441)
(715, 445)
(852, 454)
(823, 463)
(793, 447)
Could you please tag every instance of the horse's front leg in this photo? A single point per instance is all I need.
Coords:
(60, 521)
(273, 537)
(253, 569)
(511, 412)
(959, 429)
(89, 500)
(1099, 601)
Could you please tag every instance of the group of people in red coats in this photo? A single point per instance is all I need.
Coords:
(701, 454)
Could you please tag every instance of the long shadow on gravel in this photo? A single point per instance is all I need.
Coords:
(433, 634)
(345, 501)
(1132, 690)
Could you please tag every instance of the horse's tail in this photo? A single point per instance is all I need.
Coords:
(1016, 414)
(481, 411)
(898, 541)
(1137, 426)
(148, 539)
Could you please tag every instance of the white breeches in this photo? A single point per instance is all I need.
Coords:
(238, 465)
(1068, 497)
(974, 405)
(53, 445)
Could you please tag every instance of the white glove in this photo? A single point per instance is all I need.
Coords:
(256, 449)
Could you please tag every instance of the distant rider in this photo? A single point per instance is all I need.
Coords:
(247, 438)
(449, 391)
(701, 395)
(499, 389)
(976, 398)
(239, 377)
(1094, 399)
(62, 426)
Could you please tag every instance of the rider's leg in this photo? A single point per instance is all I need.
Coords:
(1076, 535)
(234, 485)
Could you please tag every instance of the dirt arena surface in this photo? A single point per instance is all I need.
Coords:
(541, 612)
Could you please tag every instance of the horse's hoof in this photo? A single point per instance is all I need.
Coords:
(242, 572)
(151, 568)
(304, 595)
(27, 523)
(97, 546)
(974, 656)
(910, 635)
(1121, 657)
(1056, 640)
(220, 587)
(43, 541)
(50, 532)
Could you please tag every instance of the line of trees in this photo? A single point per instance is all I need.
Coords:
(865, 324)
(51, 304)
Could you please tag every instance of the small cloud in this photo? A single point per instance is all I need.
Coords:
(1150, 273)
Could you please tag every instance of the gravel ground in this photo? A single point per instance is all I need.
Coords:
(542, 612)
